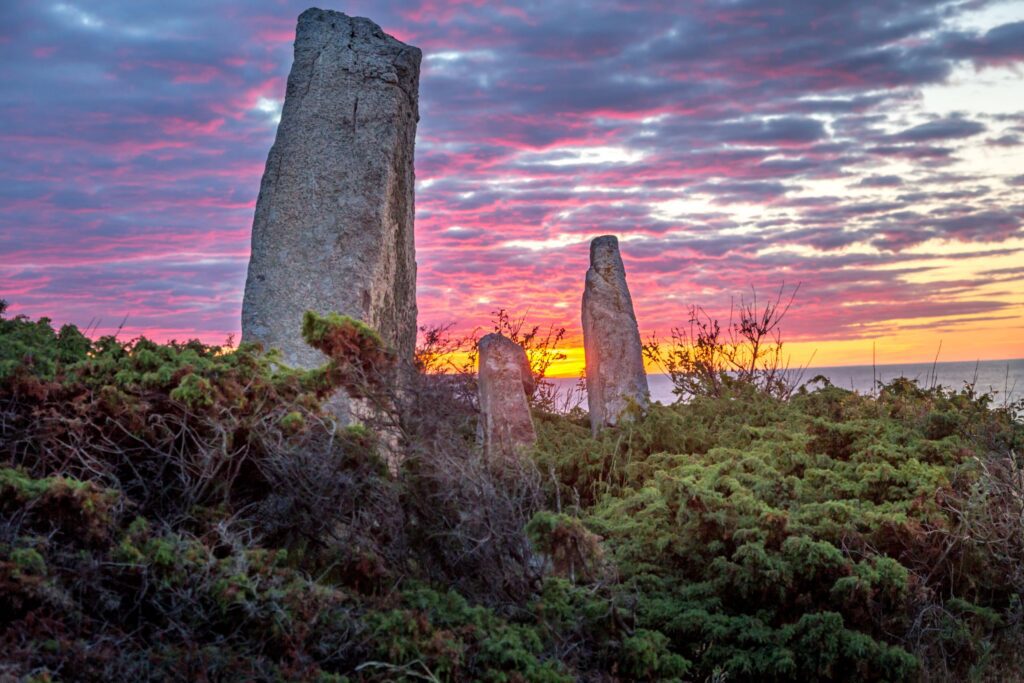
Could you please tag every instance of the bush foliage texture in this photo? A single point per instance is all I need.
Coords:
(185, 512)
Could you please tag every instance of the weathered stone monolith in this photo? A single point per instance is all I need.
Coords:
(504, 381)
(611, 339)
(333, 229)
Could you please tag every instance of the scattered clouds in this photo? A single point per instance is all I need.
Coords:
(726, 143)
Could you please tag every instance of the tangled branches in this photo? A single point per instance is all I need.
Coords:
(707, 359)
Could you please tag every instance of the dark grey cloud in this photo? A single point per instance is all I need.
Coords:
(952, 128)
(998, 45)
(881, 181)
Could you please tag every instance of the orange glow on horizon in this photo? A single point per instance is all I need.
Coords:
(987, 343)
(825, 354)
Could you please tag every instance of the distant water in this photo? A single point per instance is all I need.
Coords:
(1002, 378)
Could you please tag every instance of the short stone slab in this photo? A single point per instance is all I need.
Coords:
(504, 382)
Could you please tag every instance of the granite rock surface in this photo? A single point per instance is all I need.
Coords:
(611, 338)
(333, 229)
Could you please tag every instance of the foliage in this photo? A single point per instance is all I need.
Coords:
(572, 549)
(706, 358)
(180, 511)
(828, 536)
(541, 347)
(36, 346)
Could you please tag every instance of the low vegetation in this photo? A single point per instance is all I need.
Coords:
(179, 511)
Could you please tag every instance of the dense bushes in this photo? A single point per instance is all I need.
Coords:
(178, 511)
(186, 512)
(828, 536)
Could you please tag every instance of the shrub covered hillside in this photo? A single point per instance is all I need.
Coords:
(175, 512)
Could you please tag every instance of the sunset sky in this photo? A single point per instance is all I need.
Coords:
(871, 151)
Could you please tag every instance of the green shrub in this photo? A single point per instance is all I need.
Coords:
(802, 538)
(179, 511)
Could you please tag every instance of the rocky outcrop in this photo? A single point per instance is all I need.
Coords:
(333, 229)
(504, 381)
(611, 339)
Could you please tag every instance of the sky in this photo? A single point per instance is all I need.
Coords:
(871, 152)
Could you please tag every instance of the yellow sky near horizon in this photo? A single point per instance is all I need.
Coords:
(905, 340)
(921, 347)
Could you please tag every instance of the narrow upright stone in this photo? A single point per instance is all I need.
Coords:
(504, 381)
(333, 229)
(611, 339)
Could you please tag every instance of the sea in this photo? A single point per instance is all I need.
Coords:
(1004, 379)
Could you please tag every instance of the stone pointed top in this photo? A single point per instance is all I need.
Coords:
(606, 261)
(604, 252)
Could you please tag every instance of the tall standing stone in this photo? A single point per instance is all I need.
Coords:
(504, 381)
(611, 339)
(333, 229)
